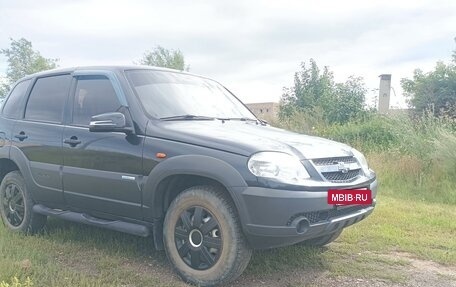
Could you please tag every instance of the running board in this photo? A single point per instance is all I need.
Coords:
(122, 226)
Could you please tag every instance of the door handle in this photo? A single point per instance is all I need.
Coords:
(73, 141)
(21, 136)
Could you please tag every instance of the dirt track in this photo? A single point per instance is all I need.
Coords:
(413, 273)
(419, 273)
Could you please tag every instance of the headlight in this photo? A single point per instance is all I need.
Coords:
(362, 161)
(277, 165)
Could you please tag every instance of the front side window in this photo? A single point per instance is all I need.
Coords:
(94, 95)
(14, 105)
(47, 99)
(168, 94)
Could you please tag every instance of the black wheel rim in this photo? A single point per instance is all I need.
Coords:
(198, 238)
(13, 204)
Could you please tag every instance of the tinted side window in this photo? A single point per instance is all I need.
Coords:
(94, 95)
(47, 99)
(13, 107)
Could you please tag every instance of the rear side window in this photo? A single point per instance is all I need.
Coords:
(47, 99)
(13, 106)
(94, 95)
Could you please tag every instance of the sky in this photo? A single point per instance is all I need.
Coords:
(252, 47)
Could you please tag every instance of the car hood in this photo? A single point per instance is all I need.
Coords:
(246, 138)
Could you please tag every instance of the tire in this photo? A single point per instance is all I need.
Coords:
(322, 240)
(203, 238)
(16, 206)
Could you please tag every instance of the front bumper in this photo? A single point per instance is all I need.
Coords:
(274, 218)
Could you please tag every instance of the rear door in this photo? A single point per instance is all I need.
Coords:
(102, 170)
(12, 110)
(37, 134)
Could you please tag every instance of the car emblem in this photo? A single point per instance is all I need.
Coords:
(342, 167)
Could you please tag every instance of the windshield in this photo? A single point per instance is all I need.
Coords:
(168, 94)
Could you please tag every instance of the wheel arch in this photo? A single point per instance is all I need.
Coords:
(21, 161)
(14, 160)
(172, 176)
(6, 166)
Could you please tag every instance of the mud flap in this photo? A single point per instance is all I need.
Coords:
(157, 233)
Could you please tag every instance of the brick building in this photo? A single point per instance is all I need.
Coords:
(268, 111)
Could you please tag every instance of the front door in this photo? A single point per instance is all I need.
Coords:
(102, 170)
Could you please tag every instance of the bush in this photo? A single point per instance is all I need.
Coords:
(371, 133)
(444, 155)
(414, 157)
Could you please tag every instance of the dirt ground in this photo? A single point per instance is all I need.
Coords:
(414, 273)
(419, 273)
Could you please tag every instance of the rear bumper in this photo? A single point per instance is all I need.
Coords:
(274, 218)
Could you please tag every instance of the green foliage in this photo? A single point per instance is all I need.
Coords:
(161, 57)
(371, 132)
(454, 54)
(302, 122)
(315, 91)
(4, 88)
(417, 154)
(434, 91)
(22, 61)
(15, 282)
(445, 152)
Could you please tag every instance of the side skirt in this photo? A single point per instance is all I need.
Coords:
(117, 225)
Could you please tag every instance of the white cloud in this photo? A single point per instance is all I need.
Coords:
(253, 47)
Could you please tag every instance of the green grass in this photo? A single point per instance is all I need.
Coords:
(76, 255)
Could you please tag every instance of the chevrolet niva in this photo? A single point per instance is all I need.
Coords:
(171, 155)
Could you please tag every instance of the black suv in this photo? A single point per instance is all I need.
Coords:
(162, 153)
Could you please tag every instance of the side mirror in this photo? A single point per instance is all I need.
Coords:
(109, 122)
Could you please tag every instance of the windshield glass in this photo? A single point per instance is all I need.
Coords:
(168, 94)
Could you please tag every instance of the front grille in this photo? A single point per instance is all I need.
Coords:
(319, 216)
(339, 176)
(333, 160)
(343, 169)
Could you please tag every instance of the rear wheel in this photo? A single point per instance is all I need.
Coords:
(203, 238)
(322, 240)
(16, 206)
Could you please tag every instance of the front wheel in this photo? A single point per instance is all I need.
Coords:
(16, 206)
(203, 238)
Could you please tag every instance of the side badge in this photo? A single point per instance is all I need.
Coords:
(127, 177)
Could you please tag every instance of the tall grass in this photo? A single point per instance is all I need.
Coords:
(15, 282)
(414, 157)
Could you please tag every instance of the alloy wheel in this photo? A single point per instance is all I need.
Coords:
(13, 202)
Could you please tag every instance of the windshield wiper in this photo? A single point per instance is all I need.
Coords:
(257, 121)
(239, 119)
(187, 118)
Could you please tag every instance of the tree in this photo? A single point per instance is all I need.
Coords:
(4, 87)
(435, 91)
(161, 57)
(23, 60)
(315, 91)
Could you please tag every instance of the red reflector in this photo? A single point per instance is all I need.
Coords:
(349, 196)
